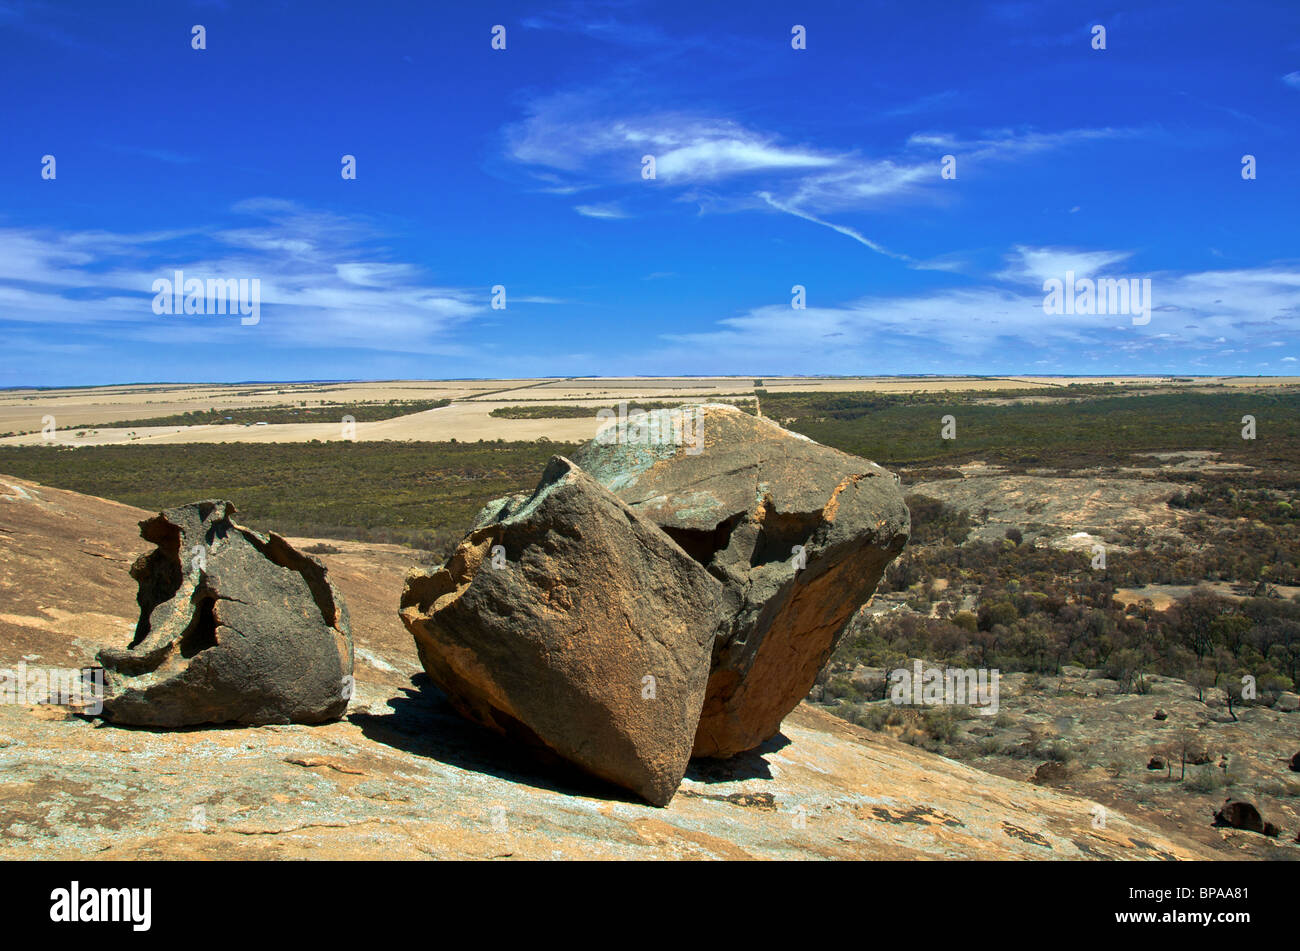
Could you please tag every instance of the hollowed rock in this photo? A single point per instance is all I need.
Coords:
(235, 627)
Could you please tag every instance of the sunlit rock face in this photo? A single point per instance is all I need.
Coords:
(799, 534)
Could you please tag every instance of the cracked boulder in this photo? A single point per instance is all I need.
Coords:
(569, 622)
(798, 533)
(235, 627)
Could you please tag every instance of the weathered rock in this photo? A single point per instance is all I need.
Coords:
(235, 626)
(404, 776)
(1050, 773)
(798, 533)
(1288, 702)
(872, 681)
(1160, 714)
(589, 634)
(1240, 814)
(1295, 763)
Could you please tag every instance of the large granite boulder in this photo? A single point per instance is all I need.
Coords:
(569, 622)
(798, 533)
(235, 627)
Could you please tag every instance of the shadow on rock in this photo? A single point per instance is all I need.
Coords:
(99, 723)
(750, 765)
(423, 723)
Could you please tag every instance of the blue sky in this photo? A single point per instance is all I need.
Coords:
(522, 167)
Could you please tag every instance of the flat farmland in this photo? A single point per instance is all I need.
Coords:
(94, 416)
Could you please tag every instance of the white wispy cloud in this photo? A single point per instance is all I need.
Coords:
(858, 183)
(599, 21)
(606, 210)
(842, 229)
(1035, 265)
(571, 139)
(1194, 311)
(158, 155)
(924, 104)
(570, 133)
(1005, 144)
(322, 281)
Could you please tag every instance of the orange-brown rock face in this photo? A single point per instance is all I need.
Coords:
(404, 776)
(798, 533)
(674, 594)
(570, 623)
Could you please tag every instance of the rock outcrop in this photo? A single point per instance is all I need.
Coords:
(404, 776)
(1241, 814)
(568, 621)
(798, 533)
(674, 594)
(235, 627)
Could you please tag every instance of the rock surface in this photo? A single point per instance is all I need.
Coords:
(235, 627)
(798, 533)
(1056, 509)
(1240, 814)
(1117, 755)
(404, 776)
(573, 624)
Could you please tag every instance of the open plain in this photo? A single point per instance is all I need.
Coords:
(1122, 676)
(93, 416)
